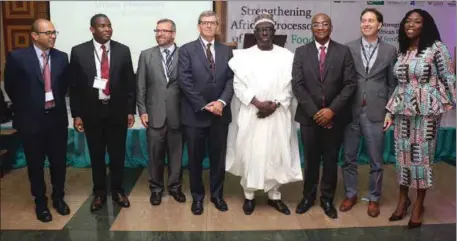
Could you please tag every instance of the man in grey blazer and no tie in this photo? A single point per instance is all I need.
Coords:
(373, 61)
(158, 101)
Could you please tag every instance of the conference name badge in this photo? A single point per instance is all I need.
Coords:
(49, 96)
(100, 83)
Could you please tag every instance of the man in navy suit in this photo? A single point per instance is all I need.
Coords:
(206, 82)
(36, 82)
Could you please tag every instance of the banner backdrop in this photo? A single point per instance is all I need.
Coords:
(293, 18)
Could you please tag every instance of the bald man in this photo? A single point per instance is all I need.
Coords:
(36, 82)
(323, 81)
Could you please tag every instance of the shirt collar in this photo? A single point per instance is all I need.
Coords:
(366, 43)
(171, 48)
(39, 52)
(206, 42)
(98, 45)
(318, 45)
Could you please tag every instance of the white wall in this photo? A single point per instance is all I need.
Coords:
(133, 21)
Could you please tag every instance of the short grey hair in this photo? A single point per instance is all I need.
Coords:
(166, 20)
(208, 13)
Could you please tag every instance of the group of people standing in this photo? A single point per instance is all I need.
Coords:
(242, 106)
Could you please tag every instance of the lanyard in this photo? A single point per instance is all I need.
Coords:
(365, 55)
(98, 57)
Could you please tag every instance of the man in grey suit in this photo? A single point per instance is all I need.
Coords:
(158, 101)
(373, 61)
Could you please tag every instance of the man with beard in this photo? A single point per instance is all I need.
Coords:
(323, 82)
(102, 105)
(262, 142)
(158, 101)
(36, 81)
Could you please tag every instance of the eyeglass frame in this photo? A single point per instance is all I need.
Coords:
(48, 33)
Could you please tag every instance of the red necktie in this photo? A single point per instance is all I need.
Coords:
(47, 80)
(105, 69)
(322, 62)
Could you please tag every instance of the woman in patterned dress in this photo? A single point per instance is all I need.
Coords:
(426, 89)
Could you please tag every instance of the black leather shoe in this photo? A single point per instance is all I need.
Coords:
(248, 206)
(197, 207)
(43, 214)
(220, 204)
(280, 206)
(120, 199)
(329, 209)
(156, 198)
(178, 196)
(97, 203)
(304, 206)
(61, 207)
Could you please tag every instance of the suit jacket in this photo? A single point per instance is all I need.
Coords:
(84, 100)
(24, 85)
(378, 85)
(155, 96)
(200, 86)
(336, 89)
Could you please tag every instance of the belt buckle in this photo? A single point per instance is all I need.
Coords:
(105, 101)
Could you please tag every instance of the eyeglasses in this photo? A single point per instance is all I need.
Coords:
(163, 31)
(323, 24)
(211, 23)
(267, 29)
(49, 33)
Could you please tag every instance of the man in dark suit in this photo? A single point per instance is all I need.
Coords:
(373, 60)
(159, 104)
(102, 100)
(206, 82)
(323, 82)
(36, 81)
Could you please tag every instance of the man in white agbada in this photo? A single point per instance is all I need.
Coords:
(262, 144)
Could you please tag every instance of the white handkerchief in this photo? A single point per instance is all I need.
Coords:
(49, 96)
(99, 83)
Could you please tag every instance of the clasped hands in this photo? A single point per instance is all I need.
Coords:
(215, 107)
(324, 117)
(266, 108)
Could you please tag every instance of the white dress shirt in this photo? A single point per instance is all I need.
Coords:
(98, 58)
(205, 44)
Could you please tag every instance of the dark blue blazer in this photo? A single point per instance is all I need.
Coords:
(199, 86)
(24, 84)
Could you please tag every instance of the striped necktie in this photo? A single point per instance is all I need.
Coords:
(168, 61)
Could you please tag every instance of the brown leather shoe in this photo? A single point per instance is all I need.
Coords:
(373, 209)
(348, 203)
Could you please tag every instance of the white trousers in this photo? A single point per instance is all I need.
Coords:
(273, 194)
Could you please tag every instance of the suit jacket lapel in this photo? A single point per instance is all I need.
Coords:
(36, 62)
(54, 66)
(358, 62)
(200, 51)
(219, 57)
(113, 59)
(314, 60)
(159, 64)
(92, 69)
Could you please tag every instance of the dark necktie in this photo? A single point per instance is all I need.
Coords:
(322, 62)
(209, 55)
(47, 80)
(168, 61)
(105, 69)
